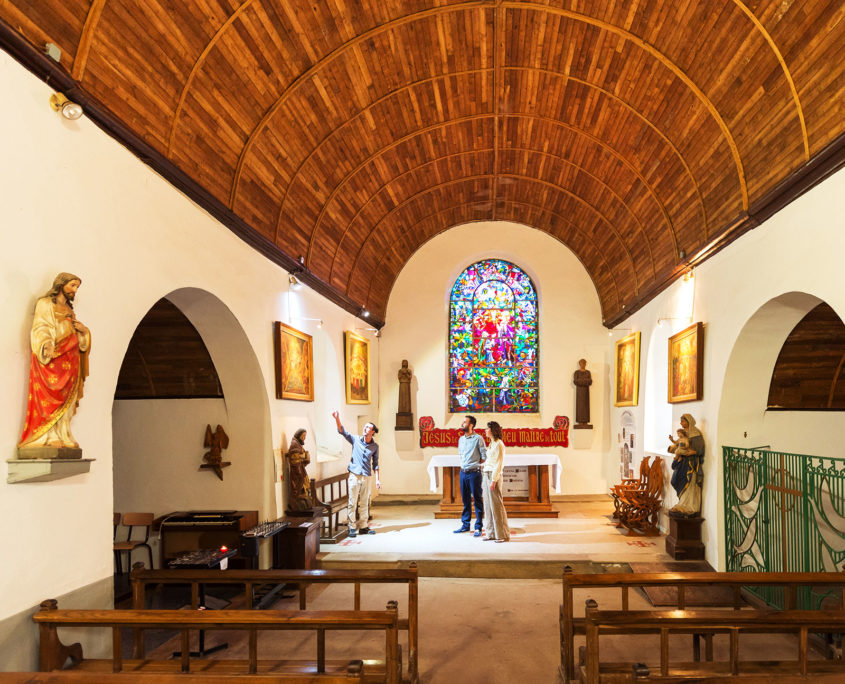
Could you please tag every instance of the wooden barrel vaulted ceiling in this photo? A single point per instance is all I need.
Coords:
(348, 133)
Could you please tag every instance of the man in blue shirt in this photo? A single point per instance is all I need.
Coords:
(472, 451)
(362, 465)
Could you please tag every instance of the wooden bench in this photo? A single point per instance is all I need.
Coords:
(53, 655)
(711, 622)
(639, 506)
(251, 579)
(571, 626)
(331, 495)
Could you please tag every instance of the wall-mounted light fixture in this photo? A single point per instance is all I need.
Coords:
(365, 313)
(613, 330)
(69, 110)
(294, 282)
(672, 318)
(376, 331)
(300, 318)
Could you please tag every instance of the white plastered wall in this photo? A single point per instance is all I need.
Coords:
(799, 250)
(417, 325)
(74, 200)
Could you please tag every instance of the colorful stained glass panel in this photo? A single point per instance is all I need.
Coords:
(493, 340)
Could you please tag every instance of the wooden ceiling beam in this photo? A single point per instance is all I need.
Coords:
(88, 30)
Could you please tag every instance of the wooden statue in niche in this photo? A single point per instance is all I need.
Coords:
(58, 368)
(300, 499)
(217, 441)
(582, 379)
(404, 417)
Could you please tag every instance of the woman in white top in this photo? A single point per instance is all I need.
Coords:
(495, 518)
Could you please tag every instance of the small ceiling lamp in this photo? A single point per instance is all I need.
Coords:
(69, 110)
(294, 283)
(365, 313)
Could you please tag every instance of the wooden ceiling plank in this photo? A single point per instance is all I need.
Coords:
(663, 59)
(546, 184)
(328, 59)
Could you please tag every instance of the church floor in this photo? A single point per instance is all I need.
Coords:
(583, 535)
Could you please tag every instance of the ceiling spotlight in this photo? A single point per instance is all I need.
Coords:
(70, 110)
(294, 283)
(365, 313)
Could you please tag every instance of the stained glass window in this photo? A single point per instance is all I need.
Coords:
(493, 340)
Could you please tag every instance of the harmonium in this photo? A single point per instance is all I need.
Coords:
(184, 531)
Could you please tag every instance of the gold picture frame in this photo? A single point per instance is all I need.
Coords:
(357, 367)
(294, 357)
(686, 364)
(627, 377)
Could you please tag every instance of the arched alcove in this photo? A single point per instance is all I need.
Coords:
(158, 444)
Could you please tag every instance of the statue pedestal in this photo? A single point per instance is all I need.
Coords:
(404, 421)
(684, 539)
(36, 452)
(582, 437)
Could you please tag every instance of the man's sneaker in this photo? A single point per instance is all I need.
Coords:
(477, 533)
(366, 530)
(461, 529)
(353, 534)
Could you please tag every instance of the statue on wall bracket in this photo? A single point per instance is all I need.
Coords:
(582, 379)
(216, 441)
(404, 417)
(59, 345)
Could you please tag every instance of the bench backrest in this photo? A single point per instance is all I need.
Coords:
(53, 654)
(569, 624)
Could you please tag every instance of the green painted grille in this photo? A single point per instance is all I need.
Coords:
(784, 513)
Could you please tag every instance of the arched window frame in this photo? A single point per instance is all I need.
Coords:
(510, 346)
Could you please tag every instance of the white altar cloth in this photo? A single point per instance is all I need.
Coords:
(453, 460)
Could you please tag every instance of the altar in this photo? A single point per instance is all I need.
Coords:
(525, 481)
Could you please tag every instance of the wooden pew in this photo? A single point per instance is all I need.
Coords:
(727, 622)
(250, 579)
(331, 494)
(53, 654)
(571, 626)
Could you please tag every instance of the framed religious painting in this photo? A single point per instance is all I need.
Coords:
(686, 364)
(627, 381)
(294, 355)
(357, 355)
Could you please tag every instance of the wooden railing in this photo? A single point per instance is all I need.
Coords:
(709, 622)
(53, 654)
(250, 579)
(331, 496)
(570, 625)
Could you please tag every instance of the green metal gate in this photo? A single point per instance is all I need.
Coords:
(783, 513)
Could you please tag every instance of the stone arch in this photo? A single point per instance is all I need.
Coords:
(162, 480)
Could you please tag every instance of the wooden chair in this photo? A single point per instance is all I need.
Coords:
(132, 520)
(628, 484)
(640, 508)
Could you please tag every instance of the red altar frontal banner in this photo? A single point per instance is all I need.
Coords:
(557, 435)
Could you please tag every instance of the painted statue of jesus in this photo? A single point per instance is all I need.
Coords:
(58, 367)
